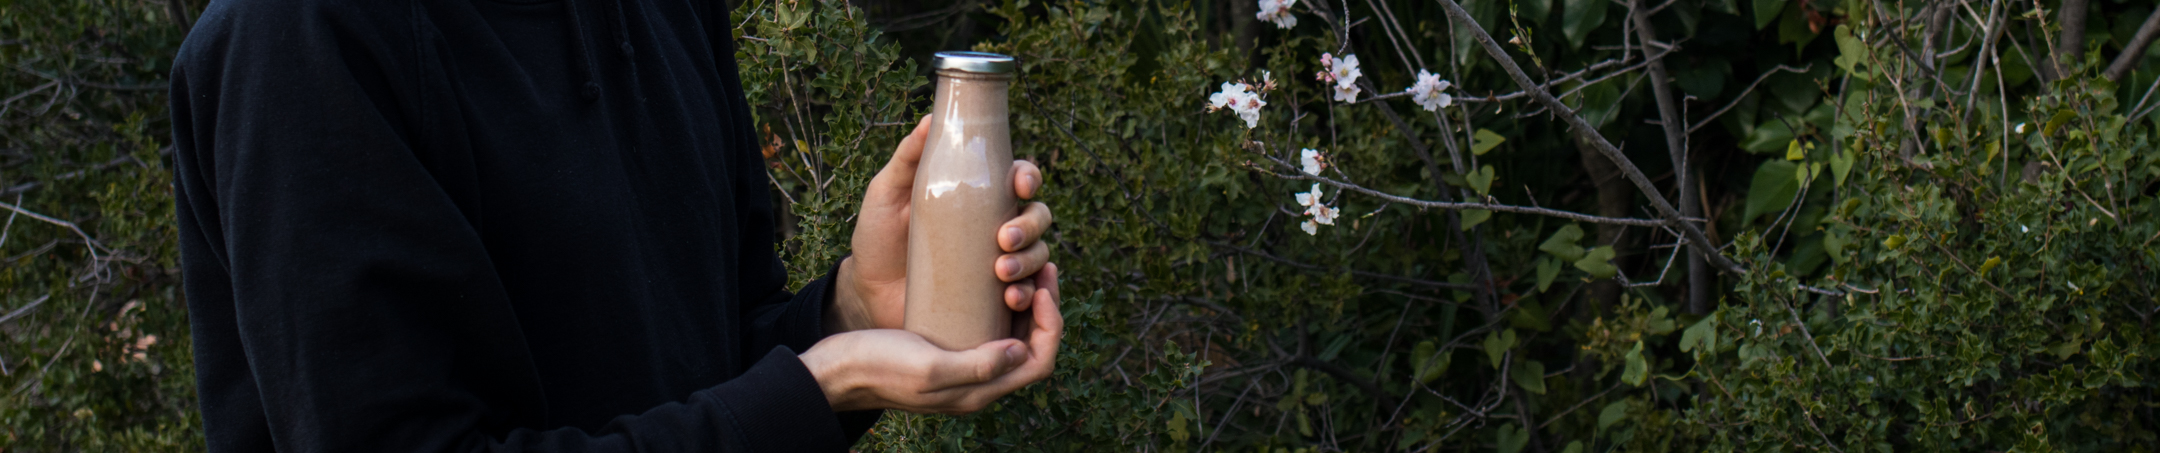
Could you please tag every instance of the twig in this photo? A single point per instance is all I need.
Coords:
(24, 309)
(1485, 206)
(1571, 409)
(88, 242)
(1810, 336)
(1588, 133)
(1743, 93)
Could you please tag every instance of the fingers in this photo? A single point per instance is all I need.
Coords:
(975, 366)
(1027, 179)
(1025, 229)
(1019, 295)
(1016, 266)
(1044, 329)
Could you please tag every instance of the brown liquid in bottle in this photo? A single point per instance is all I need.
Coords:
(963, 193)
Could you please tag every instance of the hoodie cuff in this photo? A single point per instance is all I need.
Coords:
(804, 325)
(777, 396)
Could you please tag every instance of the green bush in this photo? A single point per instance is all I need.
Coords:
(94, 344)
(1942, 253)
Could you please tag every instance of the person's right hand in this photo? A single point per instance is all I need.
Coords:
(897, 369)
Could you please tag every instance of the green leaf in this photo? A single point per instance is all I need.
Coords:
(1534, 10)
(1562, 243)
(1793, 151)
(2055, 123)
(1497, 344)
(1772, 190)
(1700, 337)
(1484, 142)
(1547, 268)
(1612, 413)
(1989, 265)
(1530, 375)
(1177, 426)
(1598, 262)
(1600, 102)
(1480, 180)
(1581, 17)
(1767, 11)
(1704, 80)
(1769, 137)
(1793, 27)
(1834, 244)
(1638, 369)
(1840, 165)
(1512, 439)
(1573, 447)
(1472, 217)
(1427, 365)
(1852, 52)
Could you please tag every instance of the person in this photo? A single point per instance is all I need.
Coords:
(535, 225)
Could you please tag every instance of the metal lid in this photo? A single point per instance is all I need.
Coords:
(982, 62)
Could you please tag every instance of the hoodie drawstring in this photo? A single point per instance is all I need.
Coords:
(590, 90)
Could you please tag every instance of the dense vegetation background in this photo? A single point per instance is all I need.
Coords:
(1939, 218)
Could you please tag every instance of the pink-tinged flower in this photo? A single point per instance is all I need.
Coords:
(1312, 161)
(1430, 92)
(1278, 11)
(1343, 73)
(1320, 212)
(1234, 97)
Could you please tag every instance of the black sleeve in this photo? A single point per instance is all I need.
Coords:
(777, 318)
(363, 307)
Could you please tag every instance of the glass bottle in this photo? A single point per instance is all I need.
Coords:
(963, 192)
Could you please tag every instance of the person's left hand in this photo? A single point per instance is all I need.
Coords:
(871, 290)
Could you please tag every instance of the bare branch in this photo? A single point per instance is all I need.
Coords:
(1589, 133)
(1743, 93)
(1449, 205)
(2136, 49)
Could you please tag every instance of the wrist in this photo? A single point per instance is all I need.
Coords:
(832, 375)
(844, 311)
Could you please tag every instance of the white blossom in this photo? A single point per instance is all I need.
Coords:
(1234, 97)
(1346, 93)
(1320, 212)
(1278, 11)
(1431, 92)
(1312, 161)
(1343, 72)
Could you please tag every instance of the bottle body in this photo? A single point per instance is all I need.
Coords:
(963, 192)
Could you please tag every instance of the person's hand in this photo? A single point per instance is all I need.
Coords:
(897, 369)
(871, 290)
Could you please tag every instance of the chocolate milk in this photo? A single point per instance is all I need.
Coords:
(963, 193)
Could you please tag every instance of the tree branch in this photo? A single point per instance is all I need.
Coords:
(2136, 49)
(1698, 297)
(2072, 42)
(1589, 133)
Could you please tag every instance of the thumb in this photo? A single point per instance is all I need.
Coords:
(978, 365)
(899, 173)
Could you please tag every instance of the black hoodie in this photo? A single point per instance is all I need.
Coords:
(467, 225)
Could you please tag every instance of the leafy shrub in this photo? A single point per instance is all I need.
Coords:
(1941, 253)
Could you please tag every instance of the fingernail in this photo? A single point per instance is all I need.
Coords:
(1012, 236)
(1015, 354)
(1008, 266)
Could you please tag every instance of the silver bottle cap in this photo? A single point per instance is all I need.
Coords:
(979, 62)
